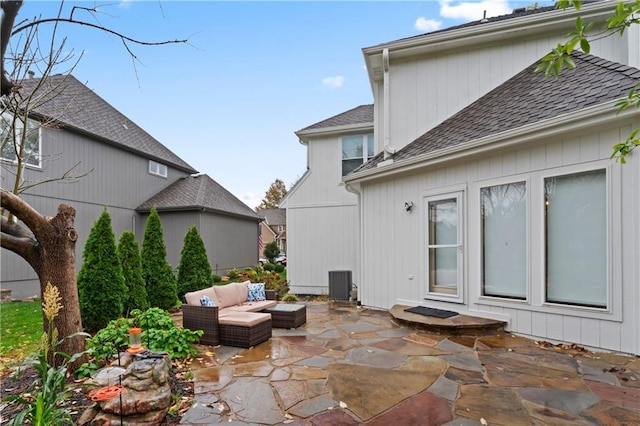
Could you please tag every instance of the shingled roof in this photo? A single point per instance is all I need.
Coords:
(197, 193)
(362, 114)
(274, 217)
(72, 105)
(526, 98)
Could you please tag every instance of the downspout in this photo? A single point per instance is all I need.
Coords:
(388, 150)
(360, 287)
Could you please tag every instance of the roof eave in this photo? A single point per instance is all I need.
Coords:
(521, 27)
(115, 144)
(178, 209)
(566, 123)
(328, 131)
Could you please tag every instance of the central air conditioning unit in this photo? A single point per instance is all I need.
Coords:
(340, 285)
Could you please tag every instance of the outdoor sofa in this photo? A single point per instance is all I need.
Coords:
(232, 316)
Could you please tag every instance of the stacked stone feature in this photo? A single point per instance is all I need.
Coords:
(147, 397)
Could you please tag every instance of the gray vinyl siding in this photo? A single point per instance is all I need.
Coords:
(119, 180)
(231, 242)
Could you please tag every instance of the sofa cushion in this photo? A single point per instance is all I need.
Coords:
(256, 292)
(243, 291)
(231, 294)
(253, 306)
(242, 319)
(193, 298)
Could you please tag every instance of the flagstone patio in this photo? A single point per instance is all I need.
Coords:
(350, 365)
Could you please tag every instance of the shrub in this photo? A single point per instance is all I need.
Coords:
(101, 287)
(159, 333)
(216, 278)
(290, 298)
(278, 267)
(129, 255)
(269, 267)
(161, 285)
(194, 270)
(233, 274)
(271, 251)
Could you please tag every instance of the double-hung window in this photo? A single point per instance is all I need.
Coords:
(356, 150)
(16, 143)
(576, 239)
(158, 169)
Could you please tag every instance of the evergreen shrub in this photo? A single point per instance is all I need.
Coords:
(129, 255)
(194, 270)
(159, 279)
(101, 287)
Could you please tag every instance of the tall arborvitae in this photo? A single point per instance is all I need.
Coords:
(129, 255)
(157, 273)
(194, 270)
(101, 287)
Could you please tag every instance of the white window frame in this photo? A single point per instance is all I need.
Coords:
(38, 156)
(459, 195)
(536, 266)
(158, 169)
(609, 265)
(367, 139)
(477, 190)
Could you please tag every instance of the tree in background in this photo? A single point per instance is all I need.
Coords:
(157, 274)
(129, 256)
(274, 195)
(101, 287)
(194, 270)
(271, 251)
(625, 15)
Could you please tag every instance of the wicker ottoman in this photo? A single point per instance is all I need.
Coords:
(285, 315)
(203, 318)
(244, 329)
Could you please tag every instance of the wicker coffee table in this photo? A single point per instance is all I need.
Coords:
(286, 315)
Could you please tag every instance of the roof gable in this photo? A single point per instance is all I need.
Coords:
(196, 193)
(525, 99)
(71, 104)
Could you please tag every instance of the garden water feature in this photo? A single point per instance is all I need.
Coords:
(144, 398)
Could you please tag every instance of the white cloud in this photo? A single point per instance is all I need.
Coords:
(251, 199)
(333, 82)
(473, 11)
(427, 25)
(125, 4)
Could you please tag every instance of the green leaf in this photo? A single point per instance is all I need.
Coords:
(585, 46)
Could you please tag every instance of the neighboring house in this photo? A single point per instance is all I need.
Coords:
(273, 228)
(128, 168)
(492, 192)
(322, 217)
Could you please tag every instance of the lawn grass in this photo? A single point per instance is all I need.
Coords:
(21, 330)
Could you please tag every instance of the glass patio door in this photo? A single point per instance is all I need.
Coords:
(444, 247)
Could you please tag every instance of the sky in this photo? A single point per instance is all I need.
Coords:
(251, 74)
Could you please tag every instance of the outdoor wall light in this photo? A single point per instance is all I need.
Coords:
(408, 205)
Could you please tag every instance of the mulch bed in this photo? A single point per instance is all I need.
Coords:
(78, 401)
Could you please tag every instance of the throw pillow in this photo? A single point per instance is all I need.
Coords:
(206, 301)
(256, 292)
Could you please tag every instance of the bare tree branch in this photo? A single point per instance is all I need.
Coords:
(98, 27)
(9, 12)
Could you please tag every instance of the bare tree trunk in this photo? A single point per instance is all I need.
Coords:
(48, 245)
